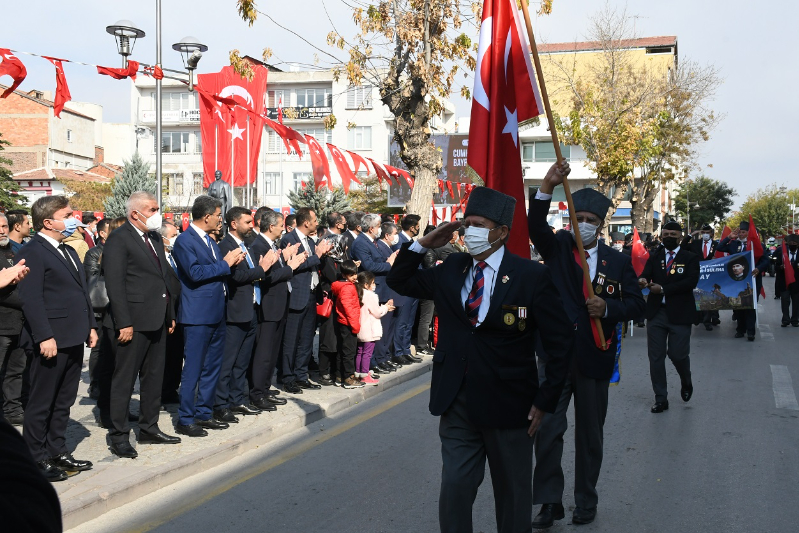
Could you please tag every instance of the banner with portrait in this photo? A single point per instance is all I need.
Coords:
(726, 283)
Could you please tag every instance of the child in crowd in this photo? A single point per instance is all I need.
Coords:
(348, 322)
(371, 329)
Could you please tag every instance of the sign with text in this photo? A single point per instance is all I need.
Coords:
(726, 283)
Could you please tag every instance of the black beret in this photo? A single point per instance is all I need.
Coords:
(592, 201)
(616, 236)
(744, 226)
(672, 225)
(707, 227)
(491, 204)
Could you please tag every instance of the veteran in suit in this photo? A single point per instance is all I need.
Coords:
(613, 297)
(485, 387)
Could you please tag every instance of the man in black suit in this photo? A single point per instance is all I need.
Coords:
(491, 306)
(353, 230)
(53, 334)
(301, 321)
(243, 295)
(702, 244)
(406, 313)
(12, 357)
(613, 297)
(139, 314)
(789, 294)
(275, 288)
(671, 274)
(173, 360)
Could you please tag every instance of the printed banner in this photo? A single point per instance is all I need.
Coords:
(726, 283)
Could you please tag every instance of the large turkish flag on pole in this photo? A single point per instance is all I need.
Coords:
(228, 130)
(505, 97)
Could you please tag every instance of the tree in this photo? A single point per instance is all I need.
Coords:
(85, 195)
(10, 198)
(371, 197)
(412, 51)
(712, 200)
(769, 210)
(323, 201)
(135, 177)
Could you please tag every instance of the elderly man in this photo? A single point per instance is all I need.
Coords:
(491, 306)
(140, 315)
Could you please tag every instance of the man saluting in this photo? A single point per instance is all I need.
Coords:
(491, 305)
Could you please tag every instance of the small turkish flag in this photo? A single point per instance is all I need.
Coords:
(99, 215)
(11, 66)
(169, 216)
(121, 73)
(724, 234)
(321, 168)
(381, 172)
(78, 215)
(185, 221)
(754, 240)
(280, 110)
(397, 172)
(435, 213)
(62, 95)
(289, 136)
(358, 161)
(343, 168)
(640, 255)
(505, 96)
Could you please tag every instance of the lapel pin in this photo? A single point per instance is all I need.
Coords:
(604, 263)
(505, 279)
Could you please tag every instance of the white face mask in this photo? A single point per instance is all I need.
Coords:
(154, 222)
(706, 237)
(587, 232)
(476, 240)
(394, 240)
(618, 247)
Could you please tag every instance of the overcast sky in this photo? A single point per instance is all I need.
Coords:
(752, 44)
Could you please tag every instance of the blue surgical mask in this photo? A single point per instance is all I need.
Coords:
(70, 225)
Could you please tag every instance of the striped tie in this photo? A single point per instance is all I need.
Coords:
(476, 295)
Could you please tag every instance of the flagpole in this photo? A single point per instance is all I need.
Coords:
(554, 132)
(249, 189)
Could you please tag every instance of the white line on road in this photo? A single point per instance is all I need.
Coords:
(784, 396)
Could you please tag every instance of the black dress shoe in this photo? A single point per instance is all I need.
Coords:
(65, 461)
(399, 361)
(325, 380)
(583, 516)
(277, 401)
(750, 338)
(412, 359)
(784, 324)
(424, 351)
(308, 384)
(659, 407)
(716, 321)
(245, 410)
(16, 420)
(225, 415)
(50, 471)
(264, 405)
(382, 367)
(212, 424)
(739, 334)
(687, 391)
(124, 450)
(292, 388)
(272, 392)
(191, 430)
(548, 514)
(708, 327)
(157, 438)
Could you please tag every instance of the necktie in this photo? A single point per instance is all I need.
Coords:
(314, 273)
(63, 249)
(150, 249)
(280, 258)
(705, 252)
(210, 246)
(670, 261)
(257, 285)
(172, 262)
(476, 295)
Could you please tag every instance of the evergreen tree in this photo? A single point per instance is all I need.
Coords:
(135, 177)
(323, 201)
(9, 189)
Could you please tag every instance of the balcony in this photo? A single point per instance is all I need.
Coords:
(300, 113)
(180, 116)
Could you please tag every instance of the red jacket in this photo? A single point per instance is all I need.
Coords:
(348, 307)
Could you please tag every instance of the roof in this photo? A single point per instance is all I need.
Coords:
(44, 173)
(49, 103)
(106, 169)
(587, 46)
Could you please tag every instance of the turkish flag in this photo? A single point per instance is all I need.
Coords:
(754, 240)
(99, 215)
(505, 96)
(121, 73)
(380, 171)
(790, 276)
(640, 254)
(289, 136)
(169, 216)
(62, 95)
(185, 220)
(231, 124)
(78, 215)
(321, 168)
(435, 213)
(357, 160)
(11, 66)
(397, 172)
(727, 231)
(343, 168)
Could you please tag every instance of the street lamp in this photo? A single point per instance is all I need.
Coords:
(191, 52)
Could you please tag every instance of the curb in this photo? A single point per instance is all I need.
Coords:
(94, 503)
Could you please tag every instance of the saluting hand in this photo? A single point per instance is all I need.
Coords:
(440, 236)
(269, 259)
(535, 417)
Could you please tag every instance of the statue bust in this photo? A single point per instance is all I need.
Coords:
(220, 190)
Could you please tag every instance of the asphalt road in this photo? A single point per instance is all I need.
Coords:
(727, 461)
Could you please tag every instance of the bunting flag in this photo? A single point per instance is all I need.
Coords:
(357, 160)
(790, 276)
(11, 66)
(155, 72)
(380, 171)
(640, 255)
(62, 95)
(121, 73)
(505, 97)
(435, 213)
(291, 138)
(321, 168)
(396, 173)
(343, 167)
(724, 235)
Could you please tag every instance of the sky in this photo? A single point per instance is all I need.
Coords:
(751, 44)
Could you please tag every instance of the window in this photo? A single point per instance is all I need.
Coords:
(527, 152)
(270, 183)
(174, 142)
(273, 98)
(175, 182)
(69, 136)
(543, 152)
(360, 138)
(320, 134)
(359, 97)
(197, 186)
(175, 101)
(198, 142)
(300, 178)
(314, 98)
(274, 143)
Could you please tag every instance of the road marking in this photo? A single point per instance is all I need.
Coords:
(784, 396)
(307, 445)
(765, 332)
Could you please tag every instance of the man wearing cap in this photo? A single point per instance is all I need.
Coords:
(671, 274)
(613, 297)
(736, 242)
(702, 244)
(789, 294)
(491, 307)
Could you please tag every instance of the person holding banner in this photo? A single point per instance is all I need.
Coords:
(671, 273)
(702, 244)
(738, 241)
(614, 297)
(785, 284)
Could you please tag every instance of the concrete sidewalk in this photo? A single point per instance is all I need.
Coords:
(114, 481)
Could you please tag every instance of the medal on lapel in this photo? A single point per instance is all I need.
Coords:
(600, 282)
(509, 319)
(522, 318)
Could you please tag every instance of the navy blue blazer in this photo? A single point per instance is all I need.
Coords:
(240, 284)
(55, 298)
(368, 253)
(202, 280)
(301, 282)
(388, 292)
(274, 285)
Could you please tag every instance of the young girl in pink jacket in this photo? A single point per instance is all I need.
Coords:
(371, 329)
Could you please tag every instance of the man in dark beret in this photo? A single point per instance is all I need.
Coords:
(613, 297)
(492, 305)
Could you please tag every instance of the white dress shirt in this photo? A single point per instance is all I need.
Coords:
(55, 245)
(307, 248)
(141, 235)
(202, 235)
(273, 246)
(675, 252)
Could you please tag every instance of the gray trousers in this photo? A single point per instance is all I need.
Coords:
(464, 449)
(590, 408)
(664, 338)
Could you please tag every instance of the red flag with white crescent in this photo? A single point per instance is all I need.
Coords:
(11, 66)
(290, 136)
(321, 168)
(724, 234)
(505, 97)
(343, 167)
(639, 254)
(62, 95)
(357, 160)
(185, 220)
(380, 171)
